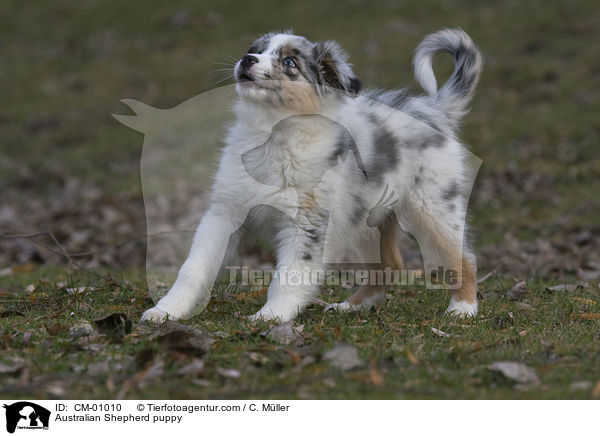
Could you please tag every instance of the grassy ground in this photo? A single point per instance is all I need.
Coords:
(68, 167)
(55, 344)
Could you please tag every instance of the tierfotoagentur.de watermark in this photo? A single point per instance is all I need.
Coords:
(347, 277)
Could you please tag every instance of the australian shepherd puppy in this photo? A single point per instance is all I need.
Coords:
(342, 169)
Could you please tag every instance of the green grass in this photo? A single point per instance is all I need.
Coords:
(403, 358)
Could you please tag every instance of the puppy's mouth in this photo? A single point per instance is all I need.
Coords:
(245, 77)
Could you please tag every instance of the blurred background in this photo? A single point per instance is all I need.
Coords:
(68, 167)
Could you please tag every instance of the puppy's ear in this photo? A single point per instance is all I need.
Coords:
(334, 69)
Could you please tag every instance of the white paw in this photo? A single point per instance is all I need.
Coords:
(462, 308)
(266, 314)
(155, 315)
(340, 307)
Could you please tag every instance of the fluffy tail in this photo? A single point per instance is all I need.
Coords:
(455, 94)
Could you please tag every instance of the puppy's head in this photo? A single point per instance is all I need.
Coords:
(287, 70)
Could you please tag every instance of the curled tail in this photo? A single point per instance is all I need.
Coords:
(455, 94)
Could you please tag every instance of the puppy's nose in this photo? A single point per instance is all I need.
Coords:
(248, 60)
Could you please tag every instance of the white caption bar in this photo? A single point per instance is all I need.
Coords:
(299, 417)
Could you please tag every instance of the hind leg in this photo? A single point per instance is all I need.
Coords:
(439, 230)
(373, 294)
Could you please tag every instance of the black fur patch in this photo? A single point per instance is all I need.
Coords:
(343, 145)
(424, 118)
(355, 85)
(387, 150)
(261, 43)
(396, 99)
(334, 71)
(451, 191)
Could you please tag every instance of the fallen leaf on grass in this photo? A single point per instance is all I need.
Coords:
(79, 290)
(80, 329)
(14, 367)
(17, 269)
(243, 296)
(343, 356)
(147, 375)
(562, 288)
(57, 388)
(516, 371)
(98, 368)
(589, 316)
(56, 328)
(306, 360)
(142, 378)
(258, 358)
(193, 368)
(596, 391)
(228, 372)
(517, 291)
(286, 333)
(584, 300)
(411, 357)
(580, 386)
(374, 374)
(485, 277)
(202, 342)
(176, 336)
(440, 333)
(588, 276)
(114, 325)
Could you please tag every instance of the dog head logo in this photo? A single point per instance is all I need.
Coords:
(26, 415)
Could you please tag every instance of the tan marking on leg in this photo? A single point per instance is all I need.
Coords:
(453, 256)
(372, 295)
(468, 289)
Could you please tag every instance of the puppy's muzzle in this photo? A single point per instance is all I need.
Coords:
(245, 66)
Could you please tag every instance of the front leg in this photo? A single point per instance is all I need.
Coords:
(299, 273)
(191, 291)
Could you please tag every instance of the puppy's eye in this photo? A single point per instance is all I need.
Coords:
(289, 62)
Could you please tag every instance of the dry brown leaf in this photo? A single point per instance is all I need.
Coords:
(596, 391)
(584, 300)
(563, 288)
(517, 291)
(12, 368)
(243, 296)
(286, 333)
(262, 359)
(589, 316)
(343, 356)
(411, 357)
(440, 333)
(56, 328)
(25, 268)
(228, 372)
(113, 325)
(79, 290)
(193, 368)
(485, 277)
(374, 374)
(516, 371)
